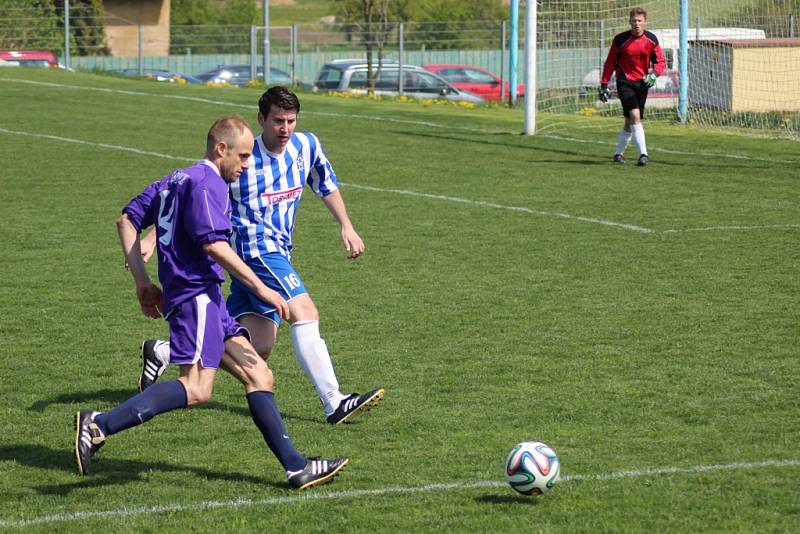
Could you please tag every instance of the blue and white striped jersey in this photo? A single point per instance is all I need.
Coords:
(266, 197)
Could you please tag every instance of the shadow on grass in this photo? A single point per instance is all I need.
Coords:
(108, 472)
(515, 500)
(660, 159)
(89, 400)
(528, 148)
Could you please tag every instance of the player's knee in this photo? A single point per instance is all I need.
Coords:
(305, 310)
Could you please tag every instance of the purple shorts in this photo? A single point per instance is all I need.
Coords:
(198, 328)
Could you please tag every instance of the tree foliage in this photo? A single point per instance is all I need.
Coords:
(772, 16)
(87, 26)
(39, 25)
(30, 24)
(452, 24)
(372, 22)
(206, 26)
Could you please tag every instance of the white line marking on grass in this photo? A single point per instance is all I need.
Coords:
(92, 143)
(130, 93)
(680, 152)
(603, 222)
(726, 228)
(389, 119)
(235, 104)
(628, 227)
(479, 203)
(392, 490)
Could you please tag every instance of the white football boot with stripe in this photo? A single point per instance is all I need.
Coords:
(354, 404)
(153, 364)
(317, 471)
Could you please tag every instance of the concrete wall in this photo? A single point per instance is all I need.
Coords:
(123, 18)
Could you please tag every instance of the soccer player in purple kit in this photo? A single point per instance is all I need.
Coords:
(631, 55)
(191, 210)
(265, 199)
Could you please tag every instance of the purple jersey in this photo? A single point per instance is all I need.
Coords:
(190, 208)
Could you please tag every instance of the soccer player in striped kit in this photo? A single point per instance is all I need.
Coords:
(265, 201)
(191, 211)
(631, 55)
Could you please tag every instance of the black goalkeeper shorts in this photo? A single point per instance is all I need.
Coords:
(633, 95)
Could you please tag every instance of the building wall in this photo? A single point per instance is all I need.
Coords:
(123, 18)
(765, 79)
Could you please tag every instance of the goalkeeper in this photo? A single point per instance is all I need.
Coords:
(637, 59)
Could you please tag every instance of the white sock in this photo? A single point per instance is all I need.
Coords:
(622, 141)
(638, 136)
(312, 353)
(161, 350)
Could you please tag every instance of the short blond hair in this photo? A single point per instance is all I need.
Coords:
(227, 130)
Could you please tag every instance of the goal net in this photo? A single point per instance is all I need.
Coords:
(743, 60)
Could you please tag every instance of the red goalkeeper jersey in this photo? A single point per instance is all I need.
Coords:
(631, 57)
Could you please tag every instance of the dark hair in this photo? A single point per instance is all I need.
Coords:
(278, 96)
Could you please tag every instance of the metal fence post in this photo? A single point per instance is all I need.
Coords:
(402, 59)
(293, 52)
(683, 61)
(513, 52)
(502, 60)
(253, 53)
(67, 58)
(265, 3)
(141, 50)
(791, 26)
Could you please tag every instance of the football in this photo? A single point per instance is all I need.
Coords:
(532, 467)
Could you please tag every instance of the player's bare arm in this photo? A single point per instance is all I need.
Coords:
(149, 294)
(353, 243)
(223, 254)
(148, 244)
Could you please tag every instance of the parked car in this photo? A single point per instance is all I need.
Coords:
(28, 58)
(475, 80)
(160, 75)
(239, 75)
(350, 75)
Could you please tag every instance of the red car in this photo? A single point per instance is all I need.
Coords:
(474, 79)
(28, 58)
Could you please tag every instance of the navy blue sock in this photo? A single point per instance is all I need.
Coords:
(158, 398)
(268, 420)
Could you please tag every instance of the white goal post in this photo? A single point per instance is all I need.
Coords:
(736, 61)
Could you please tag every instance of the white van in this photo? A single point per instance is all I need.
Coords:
(670, 39)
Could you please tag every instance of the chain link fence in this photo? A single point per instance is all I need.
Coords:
(570, 52)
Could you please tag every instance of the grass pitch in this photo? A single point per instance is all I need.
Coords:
(643, 321)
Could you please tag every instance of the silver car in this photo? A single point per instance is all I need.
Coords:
(239, 75)
(350, 75)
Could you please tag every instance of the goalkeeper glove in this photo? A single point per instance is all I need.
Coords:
(603, 92)
(650, 80)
